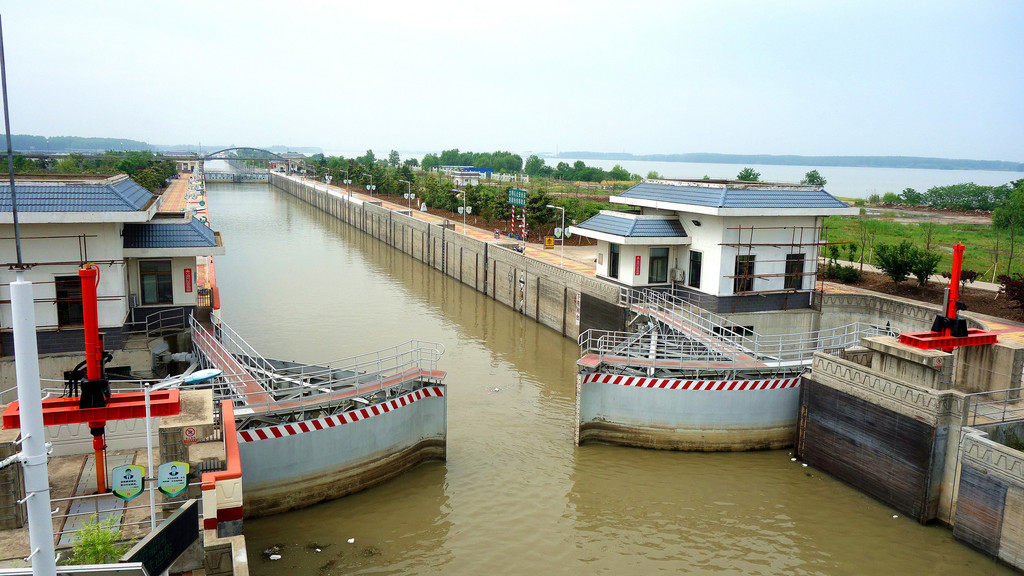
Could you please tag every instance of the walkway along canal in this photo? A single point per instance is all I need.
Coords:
(515, 495)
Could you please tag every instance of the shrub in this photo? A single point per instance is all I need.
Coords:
(896, 261)
(924, 265)
(874, 198)
(891, 198)
(966, 276)
(847, 274)
(1013, 287)
(96, 542)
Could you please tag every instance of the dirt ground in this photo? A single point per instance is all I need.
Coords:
(978, 301)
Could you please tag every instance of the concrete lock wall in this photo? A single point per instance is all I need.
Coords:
(888, 438)
(298, 470)
(990, 502)
(549, 294)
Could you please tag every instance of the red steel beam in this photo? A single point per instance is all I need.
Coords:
(124, 406)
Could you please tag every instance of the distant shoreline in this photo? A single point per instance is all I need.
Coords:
(794, 160)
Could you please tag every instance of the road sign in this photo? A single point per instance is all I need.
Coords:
(127, 481)
(549, 242)
(516, 197)
(172, 478)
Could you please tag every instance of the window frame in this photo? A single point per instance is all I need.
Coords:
(67, 291)
(160, 275)
(613, 260)
(794, 279)
(662, 262)
(744, 267)
(700, 269)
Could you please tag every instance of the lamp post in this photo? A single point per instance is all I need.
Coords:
(464, 209)
(347, 182)
(149, 446)
(408, 195)
(371, 187)
(561, 255)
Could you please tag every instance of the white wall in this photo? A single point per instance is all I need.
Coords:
(39, 245)
(775, 237)
(178, 266)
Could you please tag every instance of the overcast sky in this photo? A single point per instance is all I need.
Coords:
(817, 77)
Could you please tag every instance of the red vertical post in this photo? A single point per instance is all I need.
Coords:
(954, 280)
(93, 350)
(90, 277)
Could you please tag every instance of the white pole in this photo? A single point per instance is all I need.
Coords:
(33, 445)
(149, 452)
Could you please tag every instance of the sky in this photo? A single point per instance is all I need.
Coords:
(908, 78)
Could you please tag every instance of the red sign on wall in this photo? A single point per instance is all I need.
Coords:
(188, 279)
(636, 267)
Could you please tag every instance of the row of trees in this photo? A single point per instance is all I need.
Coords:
(966, 196)
(501, 161)
(141, 165)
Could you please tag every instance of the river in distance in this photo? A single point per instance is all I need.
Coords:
(843, 181)
(515, 495)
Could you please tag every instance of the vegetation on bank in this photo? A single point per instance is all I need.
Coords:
(142, 166)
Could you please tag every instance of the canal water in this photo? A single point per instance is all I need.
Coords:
(515, 496)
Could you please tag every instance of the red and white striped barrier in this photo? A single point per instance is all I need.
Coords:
(282, 430)
(670, 384)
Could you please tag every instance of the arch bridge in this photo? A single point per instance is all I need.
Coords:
(241, 164)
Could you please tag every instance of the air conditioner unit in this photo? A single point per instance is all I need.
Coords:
(133, 300)
(678, 275)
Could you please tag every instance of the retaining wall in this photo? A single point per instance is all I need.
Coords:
(553, 296)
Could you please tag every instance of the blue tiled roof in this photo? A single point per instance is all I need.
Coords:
(163, 235)
(729, 197)
(121, 196)
(633, 227)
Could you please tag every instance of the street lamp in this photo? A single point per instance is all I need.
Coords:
(409, 195)
(464, 209)
(561, 256)
(371, 187)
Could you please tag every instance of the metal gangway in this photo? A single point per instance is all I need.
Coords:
(684, 339)
(267, 391)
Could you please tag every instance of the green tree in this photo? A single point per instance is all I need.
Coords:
(1009, 218)
(896, 261)
(749, 175)
(534, 165)
(618, 173)
(394, 159)
(653, 175)
(911, 197)
(813, 178)
(96, 542)
(430, 162)
(70, 164)
(924, 264)
(367, 159)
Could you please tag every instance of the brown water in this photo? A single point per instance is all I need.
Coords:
(515, 496)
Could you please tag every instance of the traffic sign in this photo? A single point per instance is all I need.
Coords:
(516, 197)
(172, 478)
(549, 242)
(127, 481)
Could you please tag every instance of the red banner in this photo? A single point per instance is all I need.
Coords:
(188, 279)
(636, 267)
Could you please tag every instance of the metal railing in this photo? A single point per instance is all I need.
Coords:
(996, 407)
(292, 385)
(157, 323)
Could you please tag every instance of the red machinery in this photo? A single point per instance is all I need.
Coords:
(950, 331)
(96, 405)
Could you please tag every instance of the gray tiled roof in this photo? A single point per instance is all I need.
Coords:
(633, 227)
(728, 197)
(121, 196)
(184, 235)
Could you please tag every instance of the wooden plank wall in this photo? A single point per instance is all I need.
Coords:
(880, 452)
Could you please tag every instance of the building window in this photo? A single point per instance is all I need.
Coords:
(69, 301)
(743, 280)
(155, 280)
(613, 261)
(693, 275)
(657, 270)
(794, 271)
